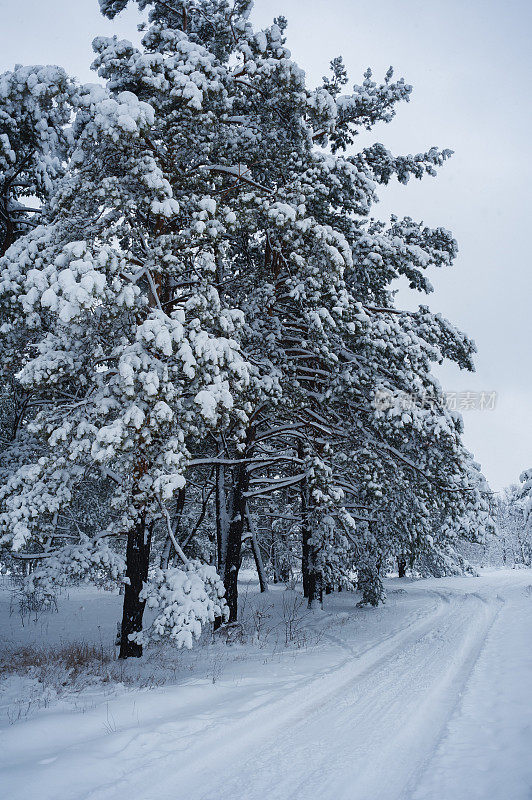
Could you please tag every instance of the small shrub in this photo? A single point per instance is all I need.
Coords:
(69, 660)
(31, 604)
(293, 619)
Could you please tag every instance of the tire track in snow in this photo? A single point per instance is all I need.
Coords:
(368, 739)
(270, 750)
(359, 730)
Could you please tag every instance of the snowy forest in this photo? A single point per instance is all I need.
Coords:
(206, 372)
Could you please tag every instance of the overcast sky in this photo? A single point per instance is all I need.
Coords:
(470, 64)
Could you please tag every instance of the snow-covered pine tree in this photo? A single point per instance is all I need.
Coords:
(211, 293)
(312, 276)
(133, 355)
(35, 108)
(514, 519)
(36, 105)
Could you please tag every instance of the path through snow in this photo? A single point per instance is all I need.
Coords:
(435, 704)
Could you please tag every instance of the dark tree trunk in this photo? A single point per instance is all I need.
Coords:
(221, 528)
(221, 514)
(234, 541)
(236, 529)
(137, 562)
(261, 572)
(305, 557)
(274, 559)
(401, 566)
(315, 589)
(305, 532)
(312, 577)
(9, 232)
(284, 570)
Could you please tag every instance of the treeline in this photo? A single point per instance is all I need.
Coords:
(201, 354)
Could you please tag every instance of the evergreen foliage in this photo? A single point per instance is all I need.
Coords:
(203, 325)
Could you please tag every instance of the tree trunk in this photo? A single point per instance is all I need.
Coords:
(401, 566)
(305, 531)
(261, 572)
(222, 521)
(137, 562)
(305, 557)
(235, 531)
(274, 559)
(222, 528)
(315, 588)
(234, 541)
(9, 230)
(312, 577)
(314, 573)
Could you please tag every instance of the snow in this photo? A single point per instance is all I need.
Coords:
(427, 698)
(186, 600)
(492, 724)
(126, 112)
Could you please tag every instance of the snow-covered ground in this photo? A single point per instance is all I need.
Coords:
(426, 698)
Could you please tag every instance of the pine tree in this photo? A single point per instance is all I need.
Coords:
(133, 354)
(214, 331)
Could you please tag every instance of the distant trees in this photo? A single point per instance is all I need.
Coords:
(211, 343)
(514, 523)
(510, 544)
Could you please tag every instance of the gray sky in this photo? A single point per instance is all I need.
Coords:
(470, 63)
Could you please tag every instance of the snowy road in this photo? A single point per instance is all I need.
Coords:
(436, 706)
